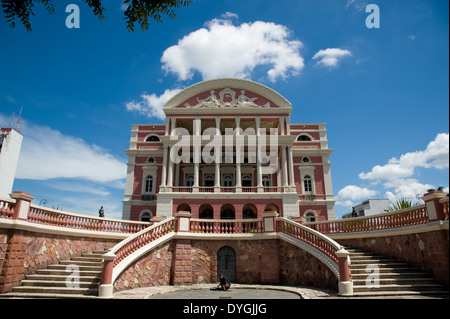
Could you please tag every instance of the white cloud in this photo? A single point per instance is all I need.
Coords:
(152, 105)
(353, 193)
(436, 155)
(359, 5)
(229, 15)
(47, 153)
(222, 49)
(406, 188)
(330, 57)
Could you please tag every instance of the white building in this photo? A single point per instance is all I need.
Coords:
(10, 144)
(369, 207)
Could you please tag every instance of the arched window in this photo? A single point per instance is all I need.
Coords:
(307, 182)
(189, 180)
(249, 211)
(246, 180)
(153, 138)
(209, 180)
(310, 216)
(149, 184)
(146, 216)
(206, 211)
(151, 160)
(228, 180)
(266, 181)
(306, 159)
(303, 138)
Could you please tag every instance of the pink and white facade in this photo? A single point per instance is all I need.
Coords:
(228, 151)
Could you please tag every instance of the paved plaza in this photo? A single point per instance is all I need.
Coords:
(237, 291)
(241, 291)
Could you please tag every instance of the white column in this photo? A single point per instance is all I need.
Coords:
(288, 126)
(167, 126)
(259, 175)
(238, 158)
(284, 166)
(177, 174)
(291, 168)
(282, 125)
(258, 125)
(173, 124)
(217, 178)
(218, 125)
(170, 174)
(197, 126)
(196, 169)
(164, 169)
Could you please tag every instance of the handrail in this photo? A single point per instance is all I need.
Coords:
(142, 238)
(310, 236)
(402, 218)
(125, 248)
(7, 208)
(45, 216)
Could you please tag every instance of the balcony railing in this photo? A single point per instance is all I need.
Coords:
(225, 189)
(236, 226)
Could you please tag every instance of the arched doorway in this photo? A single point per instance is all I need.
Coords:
(227, 212)
(271, 208)
(206, 212)
(226, 263)
(184, 208)
(249, 212)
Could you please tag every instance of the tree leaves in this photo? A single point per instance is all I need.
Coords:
(138, 11)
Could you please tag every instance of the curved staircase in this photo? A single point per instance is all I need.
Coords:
(377, 276)
(57, 280)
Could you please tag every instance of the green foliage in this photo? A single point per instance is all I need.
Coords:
(138, 11)
(400, 204)
(22, 9)
(141, 10)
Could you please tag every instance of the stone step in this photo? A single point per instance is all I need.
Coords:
(66, 273)
(81, 267)
(81, 262)
(411, 274)
(373, 260)
(91, 258)
(400, 293)
(27, 295)
(398, 287)
(58, 283)
(399, 270)
(56, 290)
(93, 255)
(50, 277)
(398, 280)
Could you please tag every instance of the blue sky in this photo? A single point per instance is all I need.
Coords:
(383, 92)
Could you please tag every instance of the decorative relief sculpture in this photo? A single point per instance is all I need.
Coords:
(227, 98)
